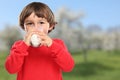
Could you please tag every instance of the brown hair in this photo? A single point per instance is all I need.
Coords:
(41, 10)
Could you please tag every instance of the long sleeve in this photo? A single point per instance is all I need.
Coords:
(61, 55)
(16, 57)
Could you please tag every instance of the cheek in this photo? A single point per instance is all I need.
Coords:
(29, 29)
(46, 28)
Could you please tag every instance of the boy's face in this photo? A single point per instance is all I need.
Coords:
(34, 23)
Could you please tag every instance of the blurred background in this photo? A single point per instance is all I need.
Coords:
(89, 28)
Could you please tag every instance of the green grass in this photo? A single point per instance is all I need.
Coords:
(100, 65)
(4, 75)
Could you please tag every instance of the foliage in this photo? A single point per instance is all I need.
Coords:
(10, 34)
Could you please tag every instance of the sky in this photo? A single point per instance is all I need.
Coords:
(105, 13)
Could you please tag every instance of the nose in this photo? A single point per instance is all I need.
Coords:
(36, 26)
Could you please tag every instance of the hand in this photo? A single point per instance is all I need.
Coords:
(45, 39)
(28, 37)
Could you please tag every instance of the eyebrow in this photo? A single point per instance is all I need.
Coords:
(42, 19)
(27, 21)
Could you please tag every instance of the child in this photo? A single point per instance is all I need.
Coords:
(46, 61)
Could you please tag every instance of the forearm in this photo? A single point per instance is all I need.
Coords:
(16, 57)
(62, 57)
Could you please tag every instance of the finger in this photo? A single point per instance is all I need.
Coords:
(43, 43)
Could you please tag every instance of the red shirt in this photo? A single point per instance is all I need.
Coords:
(41, 63)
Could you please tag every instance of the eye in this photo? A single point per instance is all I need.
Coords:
(42, 22)
(29, 23)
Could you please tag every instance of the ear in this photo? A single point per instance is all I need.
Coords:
(51, 27)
